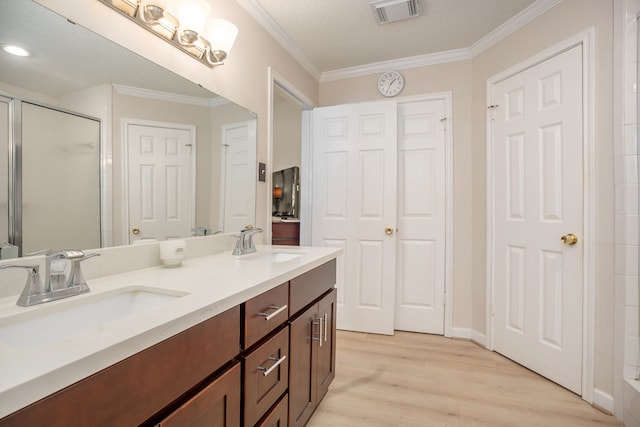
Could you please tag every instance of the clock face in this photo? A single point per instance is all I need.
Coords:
(390, 83)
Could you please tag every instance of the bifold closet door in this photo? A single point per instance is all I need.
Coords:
(354, 207)
(420, 266)
(379, 194)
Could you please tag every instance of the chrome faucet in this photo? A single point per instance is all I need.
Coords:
(56, 285)
(244, 242)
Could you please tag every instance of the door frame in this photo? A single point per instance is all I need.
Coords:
(586, 40)
(275, 78)
(124, 184)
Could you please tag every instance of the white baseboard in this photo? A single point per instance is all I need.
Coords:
(464, 333)
(479, 338)
(603, 400)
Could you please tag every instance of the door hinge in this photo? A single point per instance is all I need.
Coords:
(492, 109)
(444, 123)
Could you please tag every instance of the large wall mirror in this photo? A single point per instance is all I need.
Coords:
(101, 147)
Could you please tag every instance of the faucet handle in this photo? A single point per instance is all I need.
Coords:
(76, 278)
(33, 285)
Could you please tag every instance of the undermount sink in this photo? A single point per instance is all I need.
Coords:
(274, 256)
(47, 325)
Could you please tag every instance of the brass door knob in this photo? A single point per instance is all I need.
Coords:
(569, 239)
(388, 231)
(135, 230)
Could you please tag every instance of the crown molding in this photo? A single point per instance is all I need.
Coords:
(518, 21)
(515, 23)
(170, 97)
(253, 8)
(397, 64)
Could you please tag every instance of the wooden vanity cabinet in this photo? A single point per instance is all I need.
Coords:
(138, 388)
(312, 358)
(215, 373)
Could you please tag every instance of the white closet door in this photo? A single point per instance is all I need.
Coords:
(538, 188)
(354, 202)
(421, 217)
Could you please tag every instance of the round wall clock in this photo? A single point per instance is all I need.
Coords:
(390, 83)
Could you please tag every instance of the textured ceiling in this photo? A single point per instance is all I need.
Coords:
(337, 34)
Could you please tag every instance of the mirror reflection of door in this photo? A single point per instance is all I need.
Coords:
(238, 164)
(161, 181)
(287, 156)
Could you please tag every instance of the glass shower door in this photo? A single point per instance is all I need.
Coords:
(60, 180)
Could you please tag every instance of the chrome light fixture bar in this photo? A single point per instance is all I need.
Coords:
(154, 16)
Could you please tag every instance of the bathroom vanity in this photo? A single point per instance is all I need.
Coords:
(244, 340)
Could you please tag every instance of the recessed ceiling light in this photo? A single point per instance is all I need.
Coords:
(15, 50)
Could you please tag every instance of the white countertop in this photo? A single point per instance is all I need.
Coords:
(211, 284)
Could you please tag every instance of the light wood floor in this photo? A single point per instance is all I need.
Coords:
(426, 380)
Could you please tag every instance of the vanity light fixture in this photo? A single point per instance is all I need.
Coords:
(183, 23)
(15, 50)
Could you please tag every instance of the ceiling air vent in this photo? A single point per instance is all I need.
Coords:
(395, 10)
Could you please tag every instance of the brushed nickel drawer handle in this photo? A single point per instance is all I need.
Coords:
(273, 367)
(278, 310)
(326, 321)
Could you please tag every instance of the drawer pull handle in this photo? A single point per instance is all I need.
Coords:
(326, 321)
(274, 366)
(278, 310)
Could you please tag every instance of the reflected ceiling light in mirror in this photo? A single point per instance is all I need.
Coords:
(183, 23)
(15, 50)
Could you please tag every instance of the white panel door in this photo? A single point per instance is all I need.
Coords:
(420, 267)
(238, 176)
(354, 201)
(161, 162)
(538, 188)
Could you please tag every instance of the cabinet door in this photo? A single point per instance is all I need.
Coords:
(325, 368)
(304, 330)
(217, 405)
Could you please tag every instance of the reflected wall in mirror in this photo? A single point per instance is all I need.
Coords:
(100, 79)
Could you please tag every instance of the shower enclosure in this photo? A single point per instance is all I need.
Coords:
(49, 177)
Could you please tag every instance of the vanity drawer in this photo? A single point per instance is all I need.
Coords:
(278, 416)
(218, 404)
(266, 376)
(265, 313)
(310, 285)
